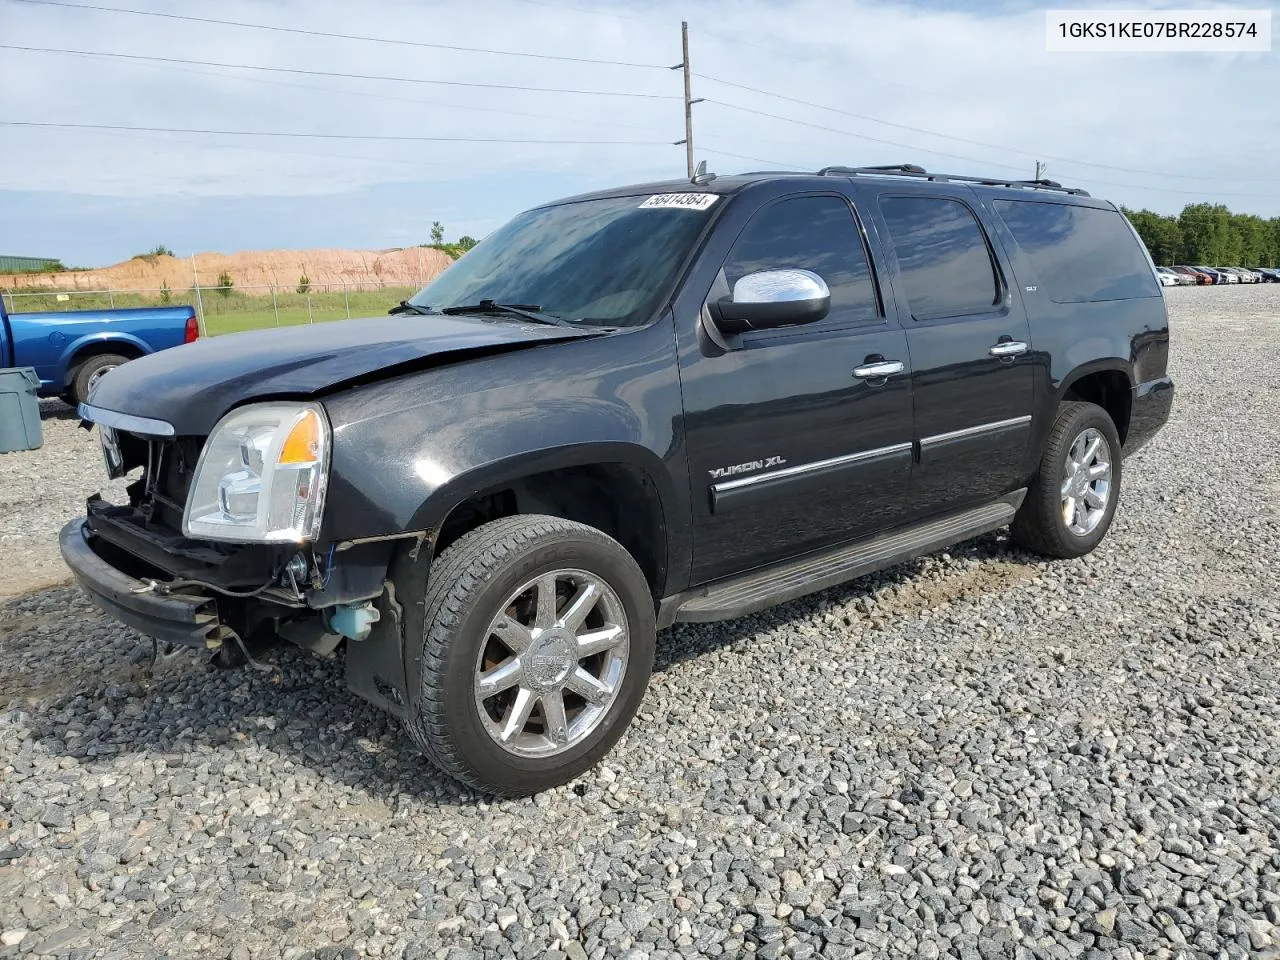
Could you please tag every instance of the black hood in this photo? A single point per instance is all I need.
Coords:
(192, 386)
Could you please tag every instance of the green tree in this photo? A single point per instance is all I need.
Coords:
(159, 250)
(225, 283)
(304, 283)
(166, 295)
(1254, 237)
(465, 243)
(1205, 228)
(437, 233)
(1161, 234)
(1209, 234)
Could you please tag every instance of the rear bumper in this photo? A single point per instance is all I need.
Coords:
(177, 618)
(1152, 402)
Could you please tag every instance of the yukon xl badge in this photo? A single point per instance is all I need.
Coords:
(751, 467)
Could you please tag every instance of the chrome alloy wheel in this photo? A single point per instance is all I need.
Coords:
(1086, 483)
(552, 663)
(98, 375)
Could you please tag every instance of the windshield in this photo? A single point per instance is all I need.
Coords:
(607, 262)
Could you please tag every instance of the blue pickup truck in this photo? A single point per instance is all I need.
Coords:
(71, 350)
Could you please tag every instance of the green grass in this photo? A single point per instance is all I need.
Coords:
(237, 311)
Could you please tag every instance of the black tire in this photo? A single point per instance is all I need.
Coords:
(1040, 524)
(87, 370)
(447, 627)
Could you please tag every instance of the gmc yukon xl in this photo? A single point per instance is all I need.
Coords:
(682, 401)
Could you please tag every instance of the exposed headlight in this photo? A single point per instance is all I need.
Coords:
(261, 476)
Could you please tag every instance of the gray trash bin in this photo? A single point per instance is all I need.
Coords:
(20, 427)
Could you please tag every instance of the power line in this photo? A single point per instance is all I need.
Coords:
(598, 13)
(336, 36)
(269, 150)
(427, 102)
(345, 76)
(323, 136)
(741, 156)
(364, 94)
(1090, 182)
(858, 136)
(975, 143)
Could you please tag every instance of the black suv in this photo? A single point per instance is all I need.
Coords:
(674, 402)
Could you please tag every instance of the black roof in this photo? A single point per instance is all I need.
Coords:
(732, 183)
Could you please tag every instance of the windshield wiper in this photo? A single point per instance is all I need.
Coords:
(529, 311)
(406, 307)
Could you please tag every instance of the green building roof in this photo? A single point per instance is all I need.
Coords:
(27, 264)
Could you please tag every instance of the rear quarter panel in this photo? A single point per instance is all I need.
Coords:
(1072, 340)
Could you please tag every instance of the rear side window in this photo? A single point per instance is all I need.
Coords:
(1080, 254)
(943, 256)
(811, 233)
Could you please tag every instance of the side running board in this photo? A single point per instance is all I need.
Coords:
(766, 587)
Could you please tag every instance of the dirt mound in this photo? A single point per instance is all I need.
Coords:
(374, 268)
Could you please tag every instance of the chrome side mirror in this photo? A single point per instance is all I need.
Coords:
(772, 298)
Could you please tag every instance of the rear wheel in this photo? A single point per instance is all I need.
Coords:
(1073, 499)
(91, 371)
(535, 650)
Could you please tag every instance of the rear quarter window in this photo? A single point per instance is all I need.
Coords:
(1080, 254)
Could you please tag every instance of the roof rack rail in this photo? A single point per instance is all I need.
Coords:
(886, 168)
(918, 172)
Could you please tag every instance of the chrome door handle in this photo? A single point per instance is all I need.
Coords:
(1008, 348)
(884, 368)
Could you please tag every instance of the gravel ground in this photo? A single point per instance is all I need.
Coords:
(977, 755)
(41, 491)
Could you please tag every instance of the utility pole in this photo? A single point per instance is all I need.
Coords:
(1040, 170)
(688, 99)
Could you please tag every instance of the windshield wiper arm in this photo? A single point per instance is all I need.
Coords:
(406, 307)
(529, 311)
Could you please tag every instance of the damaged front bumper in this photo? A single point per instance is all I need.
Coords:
(192, 593)
(181, 618)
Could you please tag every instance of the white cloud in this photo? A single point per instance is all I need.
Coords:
(982, 75)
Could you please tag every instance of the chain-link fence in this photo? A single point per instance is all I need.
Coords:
(230, 309)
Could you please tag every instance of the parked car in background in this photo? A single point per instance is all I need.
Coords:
(1170, 277)
(1215, 275)
(674, 402)
(1269, 274)
(72, 350)
(1197, 276)
(1250, 276)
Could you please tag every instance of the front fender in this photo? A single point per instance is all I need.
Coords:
(442, 499)
(407, 451)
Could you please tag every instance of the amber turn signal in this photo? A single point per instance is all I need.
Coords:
(302, 445)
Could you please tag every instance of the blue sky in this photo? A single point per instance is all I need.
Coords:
(974, 84)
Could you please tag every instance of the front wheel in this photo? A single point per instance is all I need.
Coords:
(1073, 499)
(536, 645)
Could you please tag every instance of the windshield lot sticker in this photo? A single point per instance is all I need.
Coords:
(684, 201)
